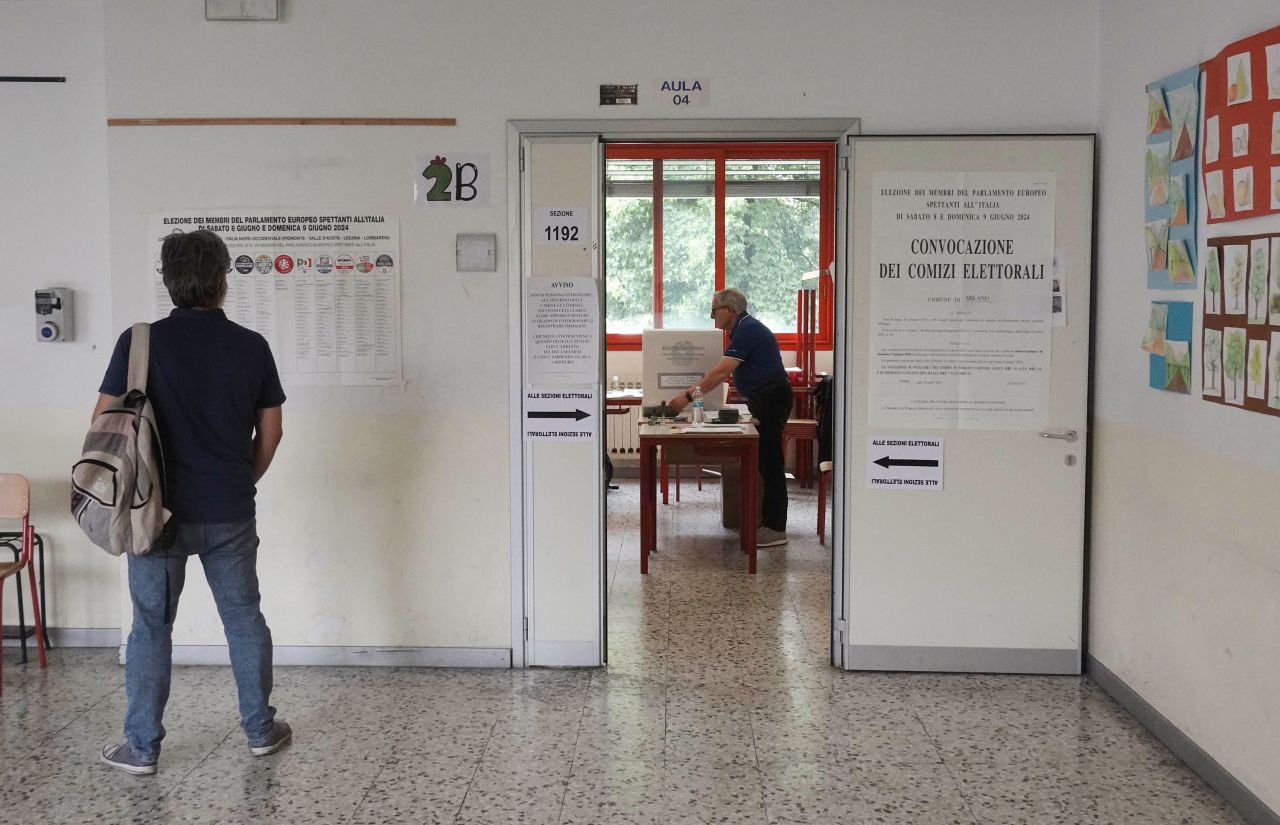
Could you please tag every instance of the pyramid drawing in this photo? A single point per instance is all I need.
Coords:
(1157, 114)
(1159, 191)
(1180, 270)
(1183, 146)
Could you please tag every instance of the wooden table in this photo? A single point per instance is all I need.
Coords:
(713, 445)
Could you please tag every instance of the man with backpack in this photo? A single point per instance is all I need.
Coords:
(217, 399)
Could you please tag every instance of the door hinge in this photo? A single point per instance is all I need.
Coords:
(842, 626)
(845, 150)
(521, 158)
(526, 628)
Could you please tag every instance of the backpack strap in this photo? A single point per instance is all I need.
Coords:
(139, 355)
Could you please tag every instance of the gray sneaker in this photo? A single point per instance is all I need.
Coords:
(121, 757)
(281, 735)
(766, 537)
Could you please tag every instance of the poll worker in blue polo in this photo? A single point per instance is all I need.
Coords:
(217, 398)
(754, 360)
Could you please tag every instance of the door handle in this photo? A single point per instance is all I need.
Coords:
(1068, 436)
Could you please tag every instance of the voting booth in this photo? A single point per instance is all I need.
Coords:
(674, 359)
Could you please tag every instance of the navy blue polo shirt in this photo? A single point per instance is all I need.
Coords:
(754, 345)
(207, 378)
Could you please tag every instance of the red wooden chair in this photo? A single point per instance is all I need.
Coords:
(824, 484)
(15, 503)
(802, 427)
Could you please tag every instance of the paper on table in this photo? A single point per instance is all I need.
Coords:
(719, 428)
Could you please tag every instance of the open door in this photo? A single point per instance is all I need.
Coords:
(966, 405)
(561, 377)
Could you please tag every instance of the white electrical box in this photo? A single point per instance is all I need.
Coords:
(54, 315)
(477, 252)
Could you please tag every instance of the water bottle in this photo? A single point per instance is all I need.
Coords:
(697, 405)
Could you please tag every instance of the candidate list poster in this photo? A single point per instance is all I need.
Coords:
(322, 287)
(961, 299)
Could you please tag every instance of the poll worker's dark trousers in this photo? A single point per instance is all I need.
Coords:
(771, 406)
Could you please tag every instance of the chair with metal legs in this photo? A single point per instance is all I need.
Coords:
(15, 503)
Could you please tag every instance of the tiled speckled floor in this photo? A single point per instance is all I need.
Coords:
(717, 707)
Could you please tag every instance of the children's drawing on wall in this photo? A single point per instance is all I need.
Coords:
(1178, 196)
(1184, 108)
(1233, 365)
(1158, 173)
(1239, 140)
(1157, 113)
(1273, 400)
(1171, 158)
(1211, 140)
(1212, 282)
(1236, 102)
(1177, 362)
(1275, 187)
(1213, 194)
(1157, 245)
(1275, 282)
(1213, 363)
(1180, 269)
(1256, 372)
(1259, 278)
(1273, 72)
(1235, 266)
(1168, 340)
(1153, 340)
(1239, 72)
(1242, 186)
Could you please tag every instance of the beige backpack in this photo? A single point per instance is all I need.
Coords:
(117, 486)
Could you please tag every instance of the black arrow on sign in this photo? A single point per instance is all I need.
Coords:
(907, 462)
(576, 415)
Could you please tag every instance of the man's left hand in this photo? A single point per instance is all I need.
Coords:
(678, 403)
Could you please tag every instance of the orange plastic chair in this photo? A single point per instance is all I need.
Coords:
(15, 503)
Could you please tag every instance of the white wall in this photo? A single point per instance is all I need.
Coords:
(386, 519)
(1185, 578)
(53, 224)
(443, 521)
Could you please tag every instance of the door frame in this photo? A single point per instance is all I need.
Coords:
(618, 130)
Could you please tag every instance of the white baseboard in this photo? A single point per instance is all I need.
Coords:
(564, 654)
(357, 656)
(962, 659)
(1253, 809)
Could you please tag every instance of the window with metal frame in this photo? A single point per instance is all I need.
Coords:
(683, 220)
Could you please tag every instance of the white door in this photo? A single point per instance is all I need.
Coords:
(982, 569)
(562, 396)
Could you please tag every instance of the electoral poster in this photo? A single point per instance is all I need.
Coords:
(961, 299)
(322, 288)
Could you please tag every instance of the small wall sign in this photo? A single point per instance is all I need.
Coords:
(682, 93)
(614, 94)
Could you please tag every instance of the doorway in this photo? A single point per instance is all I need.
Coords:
(682, 220)
(522, 153)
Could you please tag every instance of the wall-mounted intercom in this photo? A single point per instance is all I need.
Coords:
(54, 315)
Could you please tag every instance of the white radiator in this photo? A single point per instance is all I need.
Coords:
(623, 437)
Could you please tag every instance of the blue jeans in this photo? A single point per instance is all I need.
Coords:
(229, 553)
